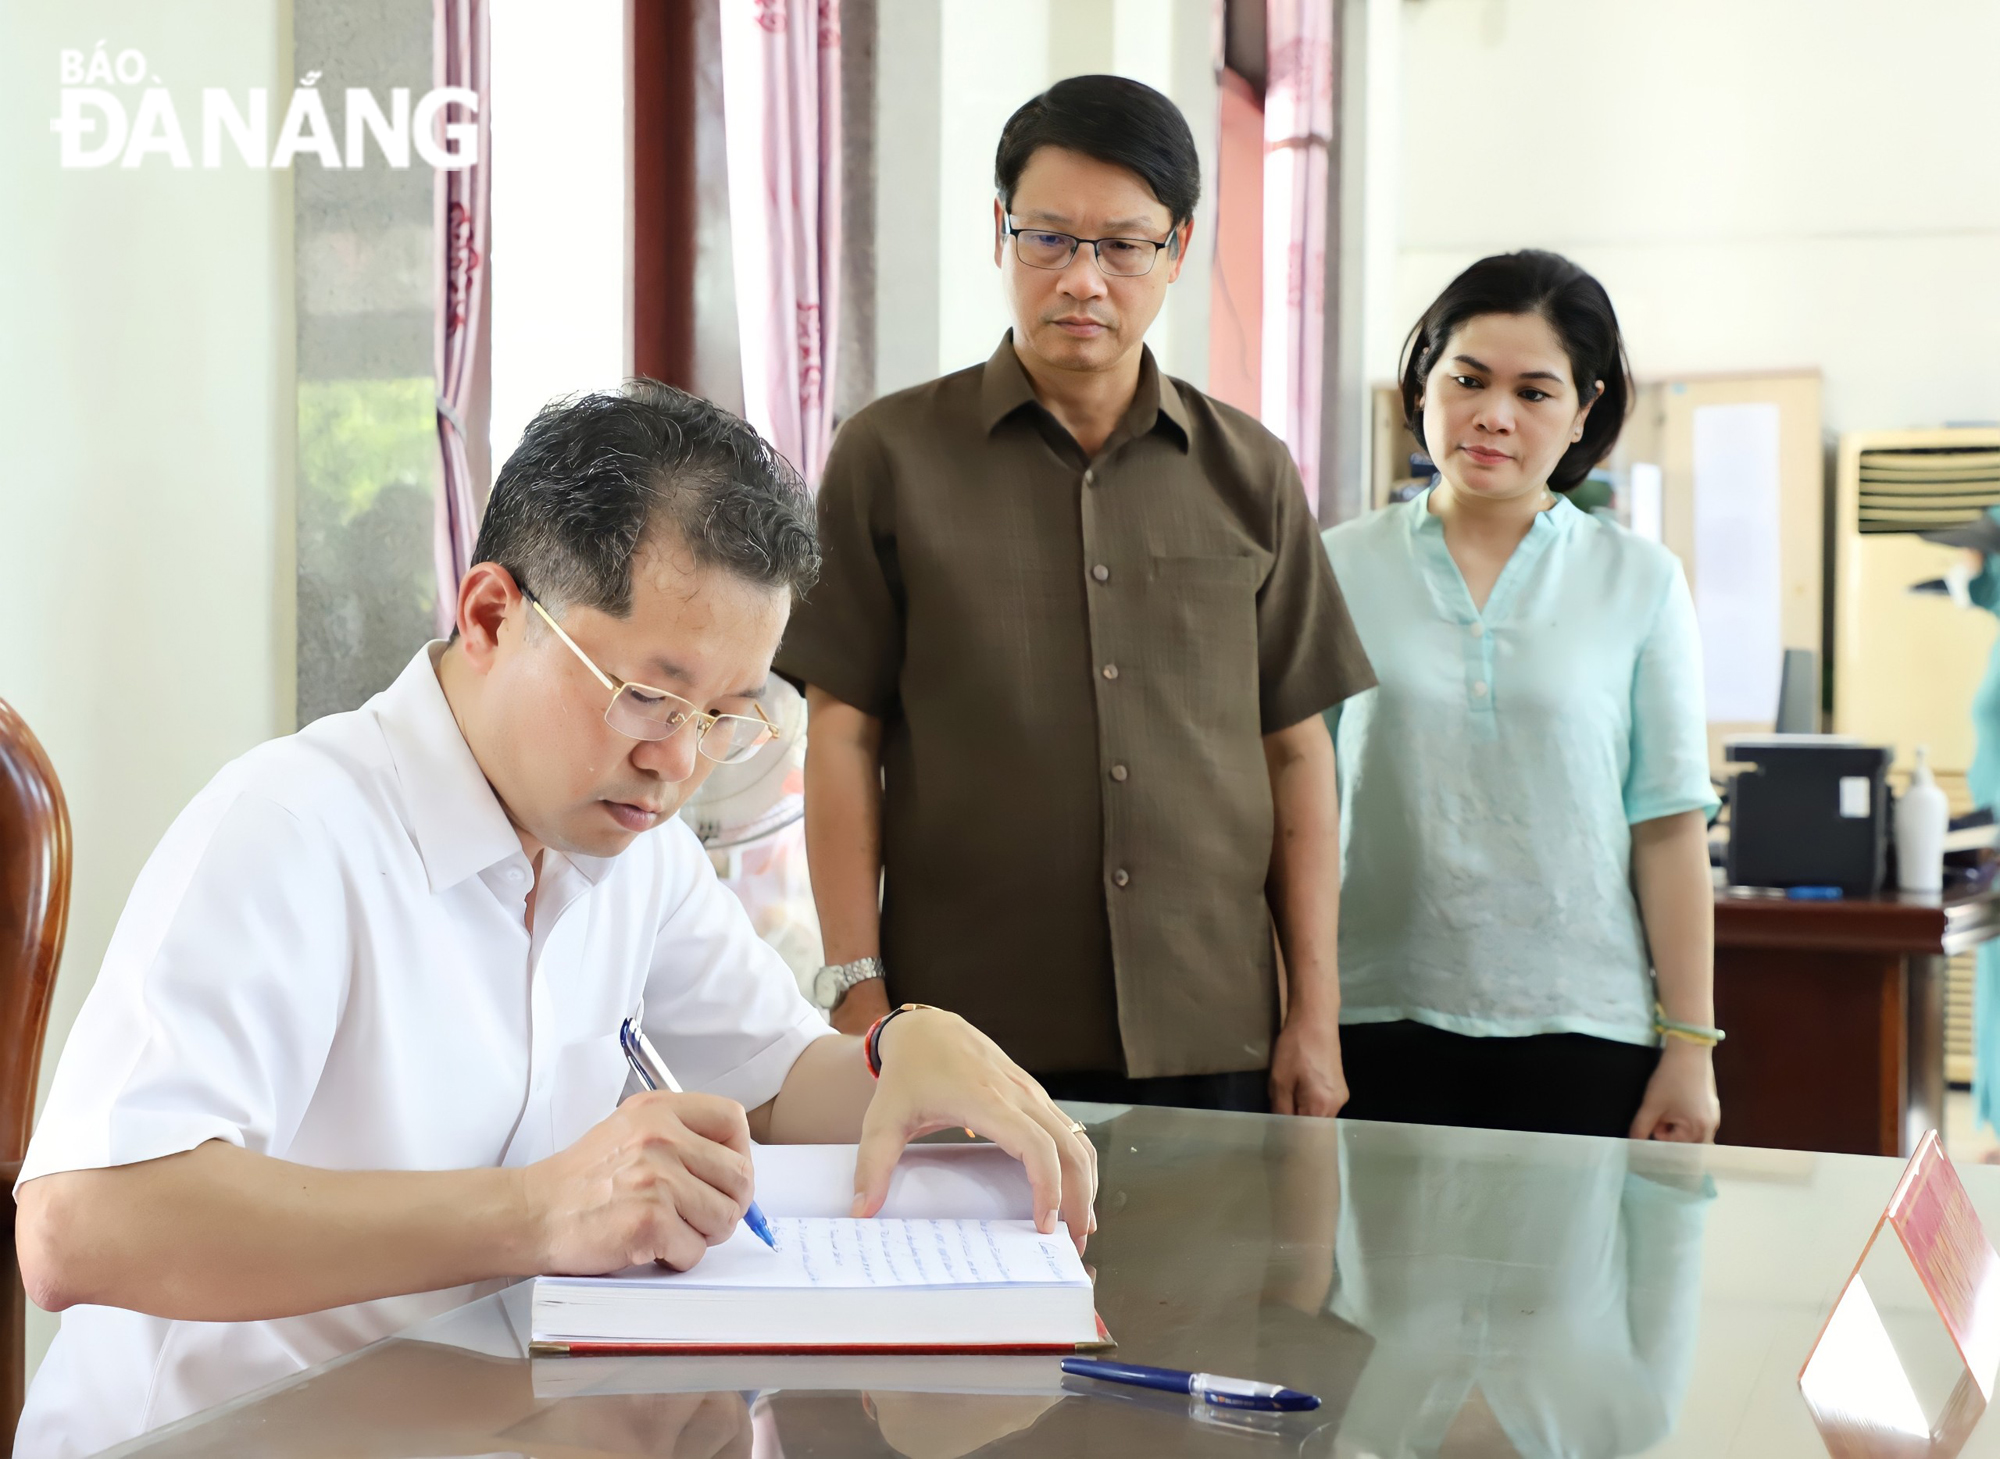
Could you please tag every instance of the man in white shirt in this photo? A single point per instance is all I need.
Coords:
(353, 1054)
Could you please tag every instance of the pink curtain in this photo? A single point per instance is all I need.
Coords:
(461, 215)
(1298, 134)
(1236, 284)
(781, 117)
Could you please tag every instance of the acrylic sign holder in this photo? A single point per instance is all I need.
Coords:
(1853, 1381)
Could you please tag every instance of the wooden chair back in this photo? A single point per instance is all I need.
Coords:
(34, 913)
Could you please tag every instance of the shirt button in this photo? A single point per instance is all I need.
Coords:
(1121, 876)
(1479, 689)
(1101, 573)
(1090, 478)
(1111, 671)
(1479, 630)
(1118, 772)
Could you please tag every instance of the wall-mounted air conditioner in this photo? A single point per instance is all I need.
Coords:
(1906, 664)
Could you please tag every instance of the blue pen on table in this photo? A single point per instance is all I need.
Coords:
(1208, 1387)
(654, 1074)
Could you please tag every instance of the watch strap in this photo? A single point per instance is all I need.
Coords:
(848, 975)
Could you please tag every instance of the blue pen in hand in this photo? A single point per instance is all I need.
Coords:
(1221, 1392)
(654, 1074)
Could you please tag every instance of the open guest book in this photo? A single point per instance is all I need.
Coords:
(952, 1264)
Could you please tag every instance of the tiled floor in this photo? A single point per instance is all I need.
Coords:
(1961, 1141)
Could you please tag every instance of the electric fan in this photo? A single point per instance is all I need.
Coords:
(748, 817)
(744, 803)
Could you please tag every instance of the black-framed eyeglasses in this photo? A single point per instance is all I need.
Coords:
(1125, 258)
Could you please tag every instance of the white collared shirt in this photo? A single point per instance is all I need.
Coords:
(326, 960)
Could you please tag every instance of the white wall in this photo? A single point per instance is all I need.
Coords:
(951, 73)
(1784, 183)
(992, 58)
(146, 402)
(560, 240)
(1365, 322)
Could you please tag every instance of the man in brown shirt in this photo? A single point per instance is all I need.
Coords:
(1066, 663)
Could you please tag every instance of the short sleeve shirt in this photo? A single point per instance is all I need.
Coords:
(1075, 661)
(326, 960)
(1489, 783)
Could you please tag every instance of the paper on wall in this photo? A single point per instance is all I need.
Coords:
(1646, 501)
(1737, 590)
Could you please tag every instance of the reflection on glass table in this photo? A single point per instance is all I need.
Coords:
(1446, 1293)
(1546, 1307)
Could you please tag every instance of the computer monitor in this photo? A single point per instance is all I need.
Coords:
(1798, 693)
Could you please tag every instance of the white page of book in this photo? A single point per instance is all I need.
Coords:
(825, 1252)
(929, 1181)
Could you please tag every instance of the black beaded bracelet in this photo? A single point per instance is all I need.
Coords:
(872, 1045)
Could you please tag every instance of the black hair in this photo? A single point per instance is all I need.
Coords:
(1113, 119)
(596, 474)
(1534, 281)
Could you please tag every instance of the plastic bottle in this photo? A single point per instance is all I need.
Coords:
(1921, 817)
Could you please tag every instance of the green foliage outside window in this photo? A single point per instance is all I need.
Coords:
(366, 505)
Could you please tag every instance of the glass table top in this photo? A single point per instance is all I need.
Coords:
(1446, 1293)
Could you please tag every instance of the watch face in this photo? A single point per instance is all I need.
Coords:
(825, 989)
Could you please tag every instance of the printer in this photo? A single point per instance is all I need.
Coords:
(1808, 810)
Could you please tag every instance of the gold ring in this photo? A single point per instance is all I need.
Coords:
(1075, 1128)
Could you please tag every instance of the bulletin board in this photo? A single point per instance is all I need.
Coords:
(1393, 444)
(1742, 502)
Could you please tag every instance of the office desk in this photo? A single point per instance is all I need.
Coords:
(1587, 1297)
(1835, 1016)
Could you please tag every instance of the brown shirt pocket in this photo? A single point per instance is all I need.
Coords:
(1202, 613)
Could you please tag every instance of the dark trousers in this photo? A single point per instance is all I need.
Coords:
(1250, 1090)
(1566, 1083)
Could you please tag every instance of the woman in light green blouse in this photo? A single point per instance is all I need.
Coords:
(1525, 905)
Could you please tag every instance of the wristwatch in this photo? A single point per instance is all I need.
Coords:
(830, 984)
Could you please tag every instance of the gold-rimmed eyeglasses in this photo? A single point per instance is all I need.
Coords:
(642, 712)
